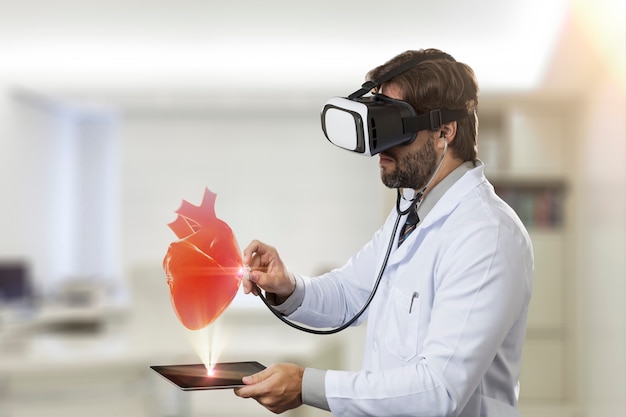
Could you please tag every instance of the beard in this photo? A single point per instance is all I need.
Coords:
(413, 169)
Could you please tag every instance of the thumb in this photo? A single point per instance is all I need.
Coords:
(256, 378)
(259, 278)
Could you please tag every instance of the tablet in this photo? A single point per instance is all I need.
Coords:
(192, 377)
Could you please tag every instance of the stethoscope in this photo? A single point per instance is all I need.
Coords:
(415, 203)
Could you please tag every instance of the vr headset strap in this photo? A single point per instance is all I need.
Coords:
(431, 120)
(367, 86)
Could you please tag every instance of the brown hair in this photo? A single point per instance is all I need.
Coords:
(437, 84)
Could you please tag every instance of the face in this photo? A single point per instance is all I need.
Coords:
(408, 166)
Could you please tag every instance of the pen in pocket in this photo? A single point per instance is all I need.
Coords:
(413, 297)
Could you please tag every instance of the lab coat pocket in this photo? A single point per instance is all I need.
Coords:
(402, 324)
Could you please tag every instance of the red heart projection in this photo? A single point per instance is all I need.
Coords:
(204, 267)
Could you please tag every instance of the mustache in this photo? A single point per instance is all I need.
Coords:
(389, 155)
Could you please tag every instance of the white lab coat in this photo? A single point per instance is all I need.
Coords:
(447, 325)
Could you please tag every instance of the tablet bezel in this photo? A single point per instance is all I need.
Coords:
(193, 377)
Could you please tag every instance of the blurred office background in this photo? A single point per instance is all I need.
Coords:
(113, 112)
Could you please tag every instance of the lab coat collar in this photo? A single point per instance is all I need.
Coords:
(442, 199)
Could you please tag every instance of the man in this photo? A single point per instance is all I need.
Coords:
(447, 324)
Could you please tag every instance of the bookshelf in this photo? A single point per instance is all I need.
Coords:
(525, 143)
(539, 204)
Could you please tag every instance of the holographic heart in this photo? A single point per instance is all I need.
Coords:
(203, 268)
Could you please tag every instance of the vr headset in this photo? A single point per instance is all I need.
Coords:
(372, 124)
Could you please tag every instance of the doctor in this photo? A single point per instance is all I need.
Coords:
(446, 326)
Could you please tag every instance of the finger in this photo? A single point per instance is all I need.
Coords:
(258, 255)
(251, 389)
(252, 248)
(261, 281)
(249, 287)
(244, 392)
(255, 262)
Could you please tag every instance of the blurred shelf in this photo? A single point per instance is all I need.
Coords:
(540, 203)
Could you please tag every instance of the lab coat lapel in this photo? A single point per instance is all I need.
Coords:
(442, 208)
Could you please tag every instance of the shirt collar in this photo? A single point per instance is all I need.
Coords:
(435, 194)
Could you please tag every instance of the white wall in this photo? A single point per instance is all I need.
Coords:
(599, 259)
(96, 191)
(277, 179)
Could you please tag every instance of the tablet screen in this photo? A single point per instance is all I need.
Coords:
(195, 376)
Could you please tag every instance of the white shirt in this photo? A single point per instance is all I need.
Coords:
(446, 328)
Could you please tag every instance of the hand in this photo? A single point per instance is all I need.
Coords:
(278, 387)
(267, 271)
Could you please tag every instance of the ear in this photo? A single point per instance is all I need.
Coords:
(447, 132)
